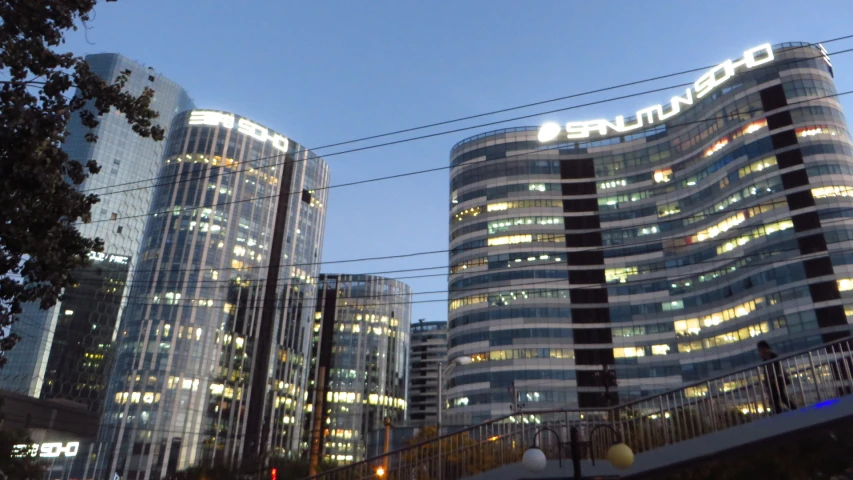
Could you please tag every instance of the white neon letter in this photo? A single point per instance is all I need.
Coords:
(71, 449)
(280, 143)
(50, 450)
(767, 55)
(601, 125)
(577, 130)
(675, 104)
(548, 132)
(206, 117)
(252, 129)
(649, 112)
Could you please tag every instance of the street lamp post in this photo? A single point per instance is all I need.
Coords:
(620, 455)
(444, 371)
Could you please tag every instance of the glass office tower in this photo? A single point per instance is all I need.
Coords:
(65, 351)
(359, 363)
(660, 247)
(429, 353)
(212, 356)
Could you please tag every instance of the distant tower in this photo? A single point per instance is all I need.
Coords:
(65, 352)
(429, 352)
(359, 363)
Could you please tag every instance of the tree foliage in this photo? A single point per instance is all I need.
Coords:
(39, 199)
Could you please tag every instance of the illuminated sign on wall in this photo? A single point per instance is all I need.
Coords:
(103, 257)
(244, 126)
(46, 450)
(825, 54)
(648, 116)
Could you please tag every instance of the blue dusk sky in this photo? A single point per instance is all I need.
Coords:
(322, 72)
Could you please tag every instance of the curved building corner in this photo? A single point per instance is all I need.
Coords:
(660, 247)
(213, 350)
(359, 364)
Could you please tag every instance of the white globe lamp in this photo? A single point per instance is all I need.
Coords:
(621, 456)
(534, 460)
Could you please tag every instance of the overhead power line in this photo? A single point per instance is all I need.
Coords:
(604, 248)
(447, 132)
(419, 172)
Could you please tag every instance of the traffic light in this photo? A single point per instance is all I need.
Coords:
(274, 474)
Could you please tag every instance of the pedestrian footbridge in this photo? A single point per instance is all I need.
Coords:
(678, 427)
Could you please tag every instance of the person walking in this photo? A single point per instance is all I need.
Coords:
(775, 379)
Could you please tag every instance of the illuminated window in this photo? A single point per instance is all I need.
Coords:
(471, 212)
(629, 352)
(510, 240)
(845, 284)
(172, 298)
(815, 130)
(613, 184)
(752, 127)
(758, 232)
(832, 191)
(669, 209)
(476, 262)
(660, 349)
(647, 230)
(693, 392)
(522, 353)
(693, 326)
(619, 274)
(687, 327)
(672, 305)
(506, 223)
(719, 228)
(717, 147)
(501, 206)
(663, 175)
(757, 166)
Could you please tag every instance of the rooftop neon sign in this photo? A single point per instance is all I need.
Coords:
(244, 126)
(649, 116)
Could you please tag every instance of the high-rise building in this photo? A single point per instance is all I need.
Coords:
(215, 341)
(429, 353)
(359, 363)
(65, 351)
(661, 246)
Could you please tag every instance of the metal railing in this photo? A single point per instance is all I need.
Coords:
(803, 378)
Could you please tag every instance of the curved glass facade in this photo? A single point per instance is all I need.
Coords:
(663, 253)
(214, 345)
(359, 363)
(66, 351)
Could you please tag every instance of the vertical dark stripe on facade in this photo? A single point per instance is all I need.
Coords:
(585, 283)
(327, 303)
(257, 428)
(773, 98)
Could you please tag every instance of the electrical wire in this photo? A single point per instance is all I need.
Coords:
(608, 100)
(402, 175)
(721, 264)
(777, 203)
